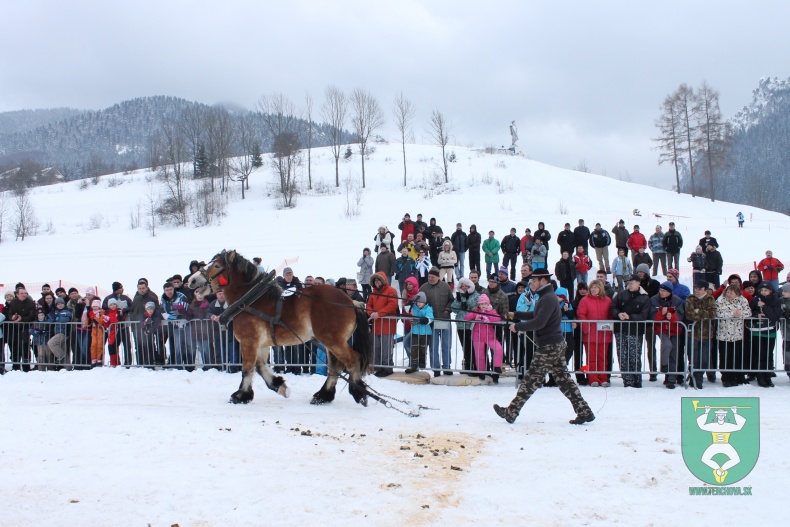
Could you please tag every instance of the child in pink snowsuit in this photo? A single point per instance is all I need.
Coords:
(484, 335)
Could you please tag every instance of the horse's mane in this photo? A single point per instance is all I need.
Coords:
(250, 273)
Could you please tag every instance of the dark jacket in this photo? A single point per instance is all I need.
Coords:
(713, 261)
(543, 235)
(600, 239)
(643, 258)
(581, 235)
(545, 320)
(385, 263)
(26, 309)
(459, 240)
(708, 240)
(567, 242)
(650, 285)
(404, 268)
(637, 306)
(620, 236)
(510, 244)
(474, 240)
(565, 270)
(138, 305)
(672, 241)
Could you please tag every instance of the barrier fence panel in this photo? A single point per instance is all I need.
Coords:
(597, 350)
(742, 349)
(153, 344)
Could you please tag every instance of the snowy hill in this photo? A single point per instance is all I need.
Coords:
(140, 447)
(91, 242)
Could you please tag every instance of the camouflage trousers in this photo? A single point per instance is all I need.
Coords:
(549, 359)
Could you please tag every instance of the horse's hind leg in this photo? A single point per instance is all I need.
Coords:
(334, 368)
(245, 394)
(275, 382)
(327, 392)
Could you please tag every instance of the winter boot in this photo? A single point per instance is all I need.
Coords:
(505, 413)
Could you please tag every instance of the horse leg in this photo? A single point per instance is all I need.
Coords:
(327, 392)
(245, 394)
(274, 382)
(335, 362)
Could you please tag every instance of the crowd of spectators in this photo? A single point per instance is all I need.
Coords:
(644, 311)
(418, 286)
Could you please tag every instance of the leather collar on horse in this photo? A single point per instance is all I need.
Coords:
(263, 283)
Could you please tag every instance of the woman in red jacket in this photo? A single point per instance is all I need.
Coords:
(382, 308)
(596, 306)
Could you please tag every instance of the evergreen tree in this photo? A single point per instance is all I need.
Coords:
(257, 158)
(201, 163)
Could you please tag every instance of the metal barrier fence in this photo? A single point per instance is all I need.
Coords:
(597, 350)
(156, 344)
(742, 349)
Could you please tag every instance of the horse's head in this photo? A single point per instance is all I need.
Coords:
(213, 276)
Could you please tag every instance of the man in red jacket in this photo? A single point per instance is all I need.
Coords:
(771, 267)
(383, 302)
(636, 240)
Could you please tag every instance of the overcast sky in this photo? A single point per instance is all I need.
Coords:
(582, 79)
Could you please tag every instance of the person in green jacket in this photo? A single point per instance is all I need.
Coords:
(491, 249)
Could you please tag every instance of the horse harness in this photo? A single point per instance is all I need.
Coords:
(260, 286)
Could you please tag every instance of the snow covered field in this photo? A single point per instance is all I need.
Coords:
(127, 447)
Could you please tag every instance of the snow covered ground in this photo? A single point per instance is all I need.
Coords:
(117, 447)
(127, 447)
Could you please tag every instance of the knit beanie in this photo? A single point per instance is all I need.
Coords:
(483, 299)
(667, 286)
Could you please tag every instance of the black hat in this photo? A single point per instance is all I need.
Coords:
(541, 273)
(701, 284)
(767, 285)
(116, 286)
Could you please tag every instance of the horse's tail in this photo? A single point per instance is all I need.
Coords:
(361, 341)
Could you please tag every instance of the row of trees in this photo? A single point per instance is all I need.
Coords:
(692, 131)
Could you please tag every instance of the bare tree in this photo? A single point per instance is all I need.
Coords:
(687, 106)
(712, 133)
(242, 165)
(334, 112)
(404, 111)
(174, 150)
(669, 126)
(308, 106)
(279, 119)
(193, 127)
(220, 140)
(25, 222)
(439, 133)
(152, 204)
(367, 118)
(3, 212)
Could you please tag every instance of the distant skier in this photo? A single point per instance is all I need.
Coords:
(637, 213)
(740, 220)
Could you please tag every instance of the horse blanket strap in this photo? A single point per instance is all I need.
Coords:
(275, 321)
(259, 287)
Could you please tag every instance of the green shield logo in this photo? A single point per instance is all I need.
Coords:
(720, 437)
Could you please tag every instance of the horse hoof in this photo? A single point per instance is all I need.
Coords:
(364, 401)
(318, 400)
(284, 390)
(240, 397)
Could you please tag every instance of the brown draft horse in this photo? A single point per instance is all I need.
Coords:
(322, 312)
